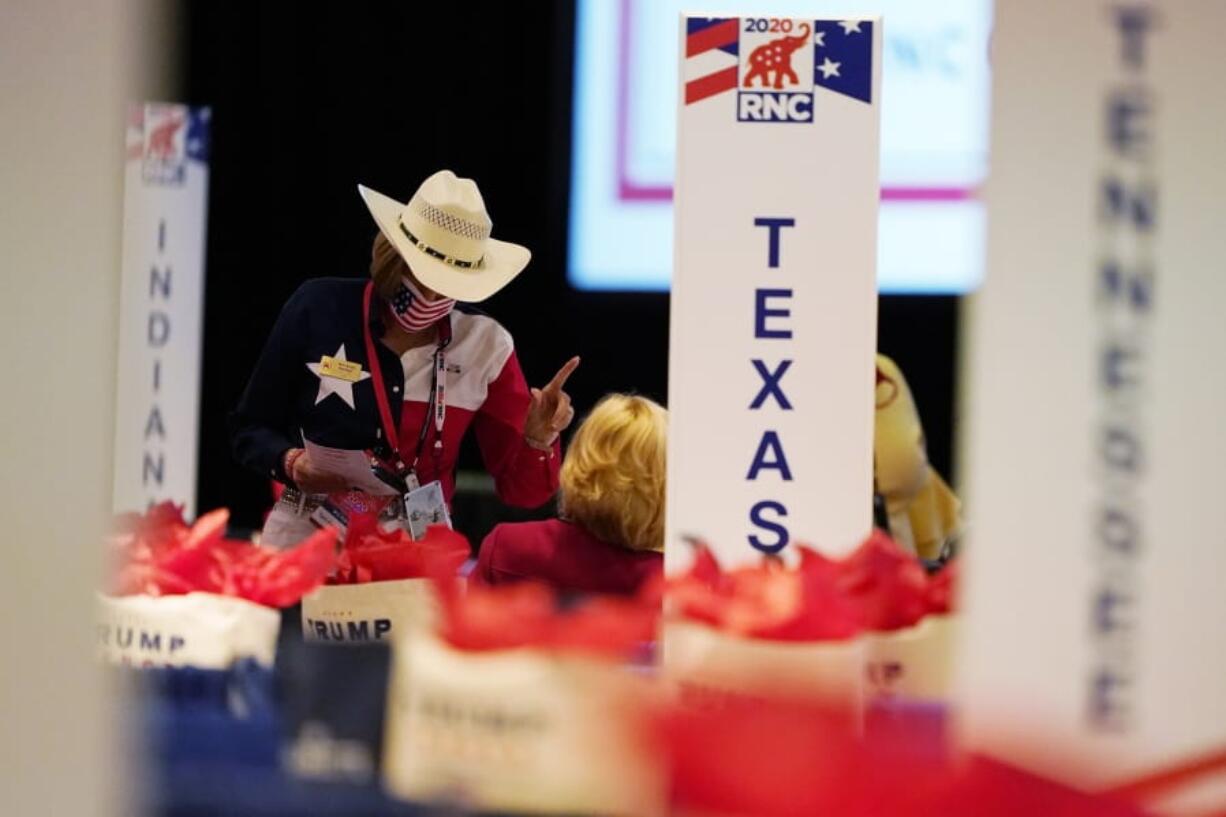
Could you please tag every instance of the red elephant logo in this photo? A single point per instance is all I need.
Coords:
(162, 139)
(775, 57)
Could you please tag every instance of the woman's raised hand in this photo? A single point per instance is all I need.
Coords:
(550, 411)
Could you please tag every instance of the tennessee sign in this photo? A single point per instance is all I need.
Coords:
(1123, 462)
(773, 312)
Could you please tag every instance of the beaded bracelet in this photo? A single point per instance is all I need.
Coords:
(291, 457)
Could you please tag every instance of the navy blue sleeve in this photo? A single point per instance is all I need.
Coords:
(262, 426)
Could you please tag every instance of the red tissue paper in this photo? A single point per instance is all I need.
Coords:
(887, 584)
(879, 586)
(942, 589)
(160, 555)
(718, 765)
(526, 615)
(768, 600)
(371, 554)
(817, 765)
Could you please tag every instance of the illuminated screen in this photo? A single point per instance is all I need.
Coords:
(933, 139)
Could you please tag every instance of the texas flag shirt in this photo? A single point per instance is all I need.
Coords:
(313, 380)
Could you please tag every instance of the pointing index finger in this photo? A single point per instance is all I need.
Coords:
(563, 374)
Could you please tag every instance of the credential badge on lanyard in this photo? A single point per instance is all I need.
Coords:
(437, 401)
(424, 505)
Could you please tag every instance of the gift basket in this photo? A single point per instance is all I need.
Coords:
(762, 629)
(384, 583)
(186, 595)
(856, 630)
(515, 705)
(907, 615)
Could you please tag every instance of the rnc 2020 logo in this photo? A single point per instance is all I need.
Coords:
(776, 78)
(164, 137)
(782, 61)
(778, 66)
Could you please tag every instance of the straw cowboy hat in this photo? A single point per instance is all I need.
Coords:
(443, 233)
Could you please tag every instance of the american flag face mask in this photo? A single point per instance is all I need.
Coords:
(414, 312)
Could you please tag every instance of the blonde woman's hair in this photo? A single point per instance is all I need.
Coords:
(386, 266)
(613, 476)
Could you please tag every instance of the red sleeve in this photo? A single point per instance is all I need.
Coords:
(524, 476)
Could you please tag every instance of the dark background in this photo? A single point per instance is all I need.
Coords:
(311, 99)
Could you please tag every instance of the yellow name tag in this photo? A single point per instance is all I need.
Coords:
(340, 369)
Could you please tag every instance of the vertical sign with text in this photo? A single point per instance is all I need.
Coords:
(773, 324)
(1096, 557)
(161, 305)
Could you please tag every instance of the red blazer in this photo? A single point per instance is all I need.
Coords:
(564, 555)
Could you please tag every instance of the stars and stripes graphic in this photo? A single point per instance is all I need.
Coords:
(414, 312)
(711, 56)
(196, 143)
(843, 57)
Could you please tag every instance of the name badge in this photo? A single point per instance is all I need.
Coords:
(347, 370)
(424, 507)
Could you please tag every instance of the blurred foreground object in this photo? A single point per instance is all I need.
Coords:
(1096, 392)
(69, 70)
(720, 764)
(515, 706)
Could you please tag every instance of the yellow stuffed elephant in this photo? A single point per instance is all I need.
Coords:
(923, 512)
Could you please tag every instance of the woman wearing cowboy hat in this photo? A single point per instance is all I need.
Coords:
(388, 366)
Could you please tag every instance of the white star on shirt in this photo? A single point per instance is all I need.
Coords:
(335, 385)
(819, 38)
(829, 68)
(850, 26)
